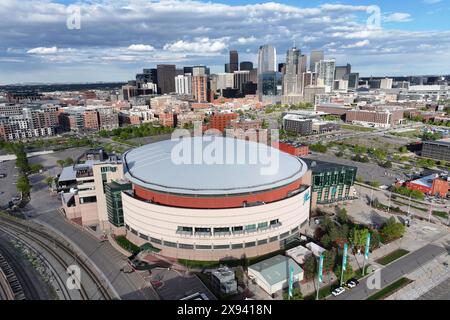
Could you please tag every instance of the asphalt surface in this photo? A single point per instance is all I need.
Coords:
(440, 292)
(43, 208)
(393, 272)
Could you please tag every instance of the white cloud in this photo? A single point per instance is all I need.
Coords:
(398, 17)
(127, 35)
(198, 45)
(359, 44)
(43, 50)
(243, 40)
(141, 47)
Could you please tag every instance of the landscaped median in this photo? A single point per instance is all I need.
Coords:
(390, 289)
(397, 254)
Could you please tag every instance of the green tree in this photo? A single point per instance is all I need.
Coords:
(23, 186)
(69, 161)
(403, 149)
(49, 181)
(343, 216)
(357, 237)
(36, 167)
(309, 267)
(60, 163)
(392, 230)
(348, 273)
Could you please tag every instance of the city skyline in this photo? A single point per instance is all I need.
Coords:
(116, 40)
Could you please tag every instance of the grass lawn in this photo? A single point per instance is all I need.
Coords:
(440, 214)
(390, 289)
(392, 256)
(323, 292)
(356, 128)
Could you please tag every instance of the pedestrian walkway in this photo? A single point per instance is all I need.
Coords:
(425, 278)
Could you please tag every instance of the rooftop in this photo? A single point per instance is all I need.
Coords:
(322, 166)
(276, 269)
(211, 166)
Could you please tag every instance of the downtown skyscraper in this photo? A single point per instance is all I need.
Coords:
(267, 59)
(234, 61)
(316, 56)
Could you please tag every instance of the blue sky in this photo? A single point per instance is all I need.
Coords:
(118, 38)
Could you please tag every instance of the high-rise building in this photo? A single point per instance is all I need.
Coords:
(183, 84)
(225, 80)
(353, 81)
(303, 64)
(292, 77)
(267, 64)
(200, 70)
(270, 87)
(342, 72)
(234, 61)
(267, 59)
(316, 56)
(227, 68)
(325, 73)
(241, 78)
(282, 67)
(187, 70)
(200, 87)
(166, 78)
(246, 66)
(386, 83)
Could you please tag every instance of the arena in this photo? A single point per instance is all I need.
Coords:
(212, 198)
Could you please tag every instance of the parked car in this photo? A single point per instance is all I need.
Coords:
(350, 284)
(338, 291)
(2, 175)
(354, 280)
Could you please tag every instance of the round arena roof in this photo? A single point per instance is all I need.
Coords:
(211, 166)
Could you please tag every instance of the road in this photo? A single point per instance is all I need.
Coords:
(440, 292)
(43, 208)
(393, 272)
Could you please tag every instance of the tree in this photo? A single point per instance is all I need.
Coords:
(348, 273)
(309, 266)
(343, 216)
(36, 167)
(318, 147)
(49, 181)
(403, 149)
(60, 163)
(357, 237)
(69, 161)
(386, 164)
(23, 186)
(392, 230)
(329, 260)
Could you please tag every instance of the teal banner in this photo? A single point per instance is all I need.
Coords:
(367, 246)
(320, 268)
(344, 257)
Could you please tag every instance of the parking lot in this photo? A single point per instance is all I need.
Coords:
(368, 171)
(8, 184)
(175, 286)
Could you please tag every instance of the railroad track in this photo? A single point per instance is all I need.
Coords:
(10, 287)
(58, 278)
(33, 233)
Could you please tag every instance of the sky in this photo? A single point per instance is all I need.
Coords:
(49, 41)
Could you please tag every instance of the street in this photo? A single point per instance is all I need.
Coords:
(392, 272)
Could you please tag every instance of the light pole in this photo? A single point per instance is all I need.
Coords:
(389, 204)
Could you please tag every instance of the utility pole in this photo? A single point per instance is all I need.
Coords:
(389, 205)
